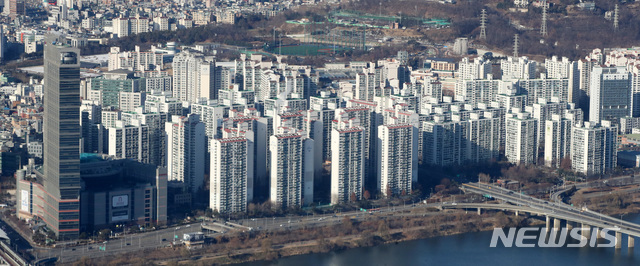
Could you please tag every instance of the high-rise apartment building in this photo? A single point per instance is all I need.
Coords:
(185, 151)
(365, 118)
(483, 137)
(157, 140)
(557, 144)
(594, 147)
(347, 163)
(545, 88)
(231, 174)
(92, 130)
(518, 68)
(130, 142)
(136, 60)
(398, 160)
(565, 69)
(123, 27)
(442, 141)
(521, 145)
(194, 77)
(291, 170)
(326, 106)
(477, 91)
(476, 69)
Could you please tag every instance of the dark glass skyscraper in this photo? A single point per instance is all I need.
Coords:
(62, 139)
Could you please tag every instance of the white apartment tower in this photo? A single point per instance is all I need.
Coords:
(291, 170)
(194, 77)
(476, 69)
(521, 145)
(477, 91)
(442, 141)
(557, 144)
(347, 163)
(518, 68)
(364, 117)
(365, 86)
(135, 60)
(231, 174)
(565, 69)
(594, 148)
(397, 158)
(130, 142)
(326, 106)
(186, 151)
(482, 137)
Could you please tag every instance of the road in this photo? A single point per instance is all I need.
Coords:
(560, 189)
(164, 237)
(122, 244)
(553, 209)
(154, 239)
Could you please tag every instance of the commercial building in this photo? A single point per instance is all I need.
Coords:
(610, 94)
(114, 191)
(61, 170)
(119, 89)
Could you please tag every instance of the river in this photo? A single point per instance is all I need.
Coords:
(465, 249)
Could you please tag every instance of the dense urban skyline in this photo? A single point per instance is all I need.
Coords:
(147, 117)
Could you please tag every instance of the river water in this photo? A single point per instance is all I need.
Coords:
(466, 249)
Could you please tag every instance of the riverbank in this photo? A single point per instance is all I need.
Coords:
(350, 233)
(356, 231)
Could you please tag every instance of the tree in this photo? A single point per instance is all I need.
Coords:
(51, 235)
(266, 245)
(234, 243)
(367, 195)
(482, 177)
(353, 197)
(104, 234)
(185, 253)
(84, 261)
(383, 229)
(347, 224)
(39, 238)
(565, 163)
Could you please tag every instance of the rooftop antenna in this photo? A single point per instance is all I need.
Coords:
(515, 46)
(483, 24)
(615, 18)
(543, 27)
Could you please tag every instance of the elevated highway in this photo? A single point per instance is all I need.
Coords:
(558, 211)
